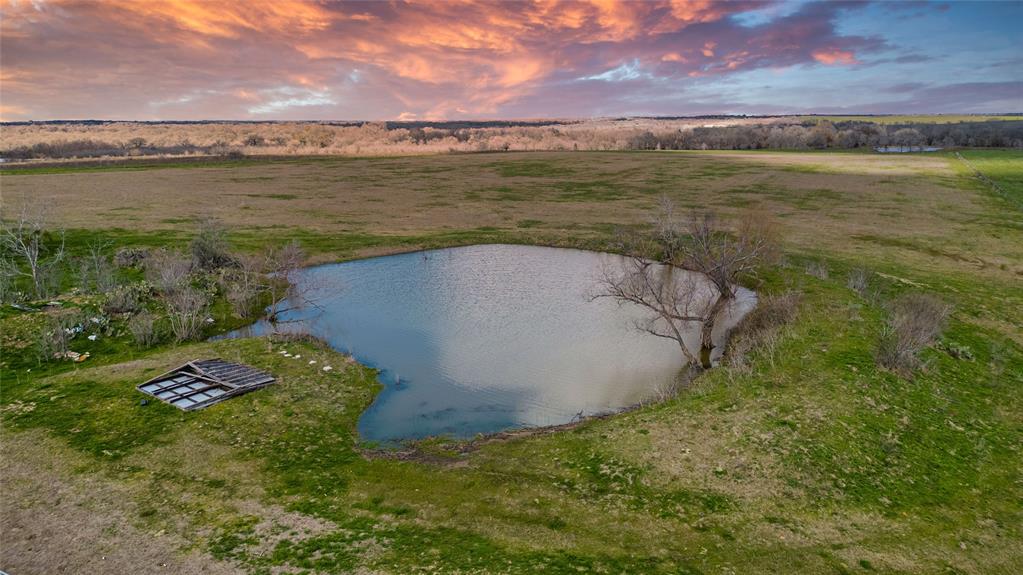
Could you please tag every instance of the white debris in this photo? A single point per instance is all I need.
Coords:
(298, 357)
(327, 368)
(287, 355)
(92, 337)
(312, 361)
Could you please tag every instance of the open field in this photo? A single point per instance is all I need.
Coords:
(916, 118)
(813, 461)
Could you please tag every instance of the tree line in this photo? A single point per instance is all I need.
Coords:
(824, 134)
(84, 141)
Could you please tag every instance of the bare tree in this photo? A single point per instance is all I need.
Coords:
(670, 294)
(186, 308)
(96, 271)
(680, 301)
(143, 329)
(167, 270)
(282, 266)
(35, 251)
(724, 258)
(243, 283)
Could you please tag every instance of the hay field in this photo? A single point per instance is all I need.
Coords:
(846, 203)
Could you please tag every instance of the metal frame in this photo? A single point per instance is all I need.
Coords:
(201, 383)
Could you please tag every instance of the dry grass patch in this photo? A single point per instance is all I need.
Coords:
(57, 521)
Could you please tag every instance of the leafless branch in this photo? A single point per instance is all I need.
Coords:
(670, 290)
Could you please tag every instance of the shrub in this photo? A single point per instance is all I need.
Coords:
(915, 320)
(95, 272)
(143, 329)
(8, 287)
(817, 269)
(130, 257)
(759, 329)
(187, 310)
(127, 298)
(167, 271)
(957, 350)
(241, 290)
(209, 247)
(858, 281)
(55, 338)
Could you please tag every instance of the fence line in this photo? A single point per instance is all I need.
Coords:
(994, 185)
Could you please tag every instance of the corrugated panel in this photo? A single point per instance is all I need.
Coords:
(199, 384)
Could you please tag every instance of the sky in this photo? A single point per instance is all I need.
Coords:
(467, 59)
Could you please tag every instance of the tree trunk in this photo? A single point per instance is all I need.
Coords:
(707, 330)
(705, 351)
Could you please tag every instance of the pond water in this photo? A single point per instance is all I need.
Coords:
(485, 338)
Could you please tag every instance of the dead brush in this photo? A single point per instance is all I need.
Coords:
(858, 281)
(167, 270)
(143, 329)
(186, 309)
(914, 321)
(760, 330)
(54, 338)
(672, 388)
(817, 269)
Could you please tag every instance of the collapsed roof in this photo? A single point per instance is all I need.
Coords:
(201, 383)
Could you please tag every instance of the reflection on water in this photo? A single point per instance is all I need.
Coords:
(484, 338)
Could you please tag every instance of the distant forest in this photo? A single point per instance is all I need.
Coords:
(101, 139)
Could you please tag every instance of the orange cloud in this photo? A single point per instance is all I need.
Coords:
(227, 19)
(683, 13)
(7, 112)
(831, 57)
(429, 58)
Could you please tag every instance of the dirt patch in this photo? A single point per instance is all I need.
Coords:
(56, 521)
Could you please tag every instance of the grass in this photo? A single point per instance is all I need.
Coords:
(140, 165)
(1002, 167)
(812, 461)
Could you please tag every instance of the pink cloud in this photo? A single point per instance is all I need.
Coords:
(345, 60)
(831, 57)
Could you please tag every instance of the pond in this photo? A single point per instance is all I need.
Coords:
(485, 338)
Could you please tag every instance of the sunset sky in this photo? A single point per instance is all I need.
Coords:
(291, 59)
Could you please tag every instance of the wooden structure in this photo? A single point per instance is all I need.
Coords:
(201, 383)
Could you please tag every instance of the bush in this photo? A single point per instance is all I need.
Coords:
(858, 281)
(8, 286)
(209, 247)
(914, 321)
(143, 329)
(130, 257)
(957, 350)
(187, 310)
(55, 338)
(127, 298)
(167, 271)
(96, 273)
(759, 329)
(817, 269)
